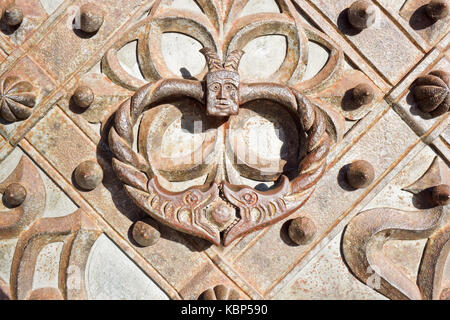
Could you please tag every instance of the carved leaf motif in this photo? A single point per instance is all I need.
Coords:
(364, 239)
(223, 18)
(436, 174)
(367, 233)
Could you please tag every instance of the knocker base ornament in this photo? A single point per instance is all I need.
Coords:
(220, 211)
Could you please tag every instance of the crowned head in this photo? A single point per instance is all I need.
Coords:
(222, 83)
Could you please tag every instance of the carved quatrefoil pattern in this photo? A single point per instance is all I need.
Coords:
(123, 128)
(221, 30)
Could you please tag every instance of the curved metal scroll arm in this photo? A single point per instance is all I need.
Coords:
(175, 209)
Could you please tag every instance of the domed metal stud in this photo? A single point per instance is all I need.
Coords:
(145, 234)
(88, 175)
(13, 15)
(83, 97)
(302, 230)
(362, 14)
(91, 18)
(432, 92)
(441, 194)
(360, 174)
(437, 9)
(219, 292)
(362, 94)
(14, 195)
(17, 99)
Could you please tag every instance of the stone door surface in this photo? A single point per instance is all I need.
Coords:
(220, 149)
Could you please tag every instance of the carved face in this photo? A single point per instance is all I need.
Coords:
(222, 93)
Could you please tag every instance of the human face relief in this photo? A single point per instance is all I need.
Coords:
(222, 97)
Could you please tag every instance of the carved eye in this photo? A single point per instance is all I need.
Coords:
(215, 87)
(228, 87)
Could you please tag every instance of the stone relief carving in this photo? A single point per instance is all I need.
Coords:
(223, 203)
(23, 220)
(366, 234)
(220, 186)
(222, 83)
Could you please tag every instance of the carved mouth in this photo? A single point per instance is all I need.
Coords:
(222, 106)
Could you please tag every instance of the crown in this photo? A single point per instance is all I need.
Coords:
(215, 63)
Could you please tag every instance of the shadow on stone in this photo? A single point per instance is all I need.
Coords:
(345, 26)
(423, 199)
(284, 235)
(413, 108)
(420, 20)
(7, 29)
(186, 74)
(348, 103)
(342, 179)
(74, 107)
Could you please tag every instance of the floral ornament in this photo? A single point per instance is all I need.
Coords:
(222, 28)
(17, 99)
(224, 207)
(219, 292)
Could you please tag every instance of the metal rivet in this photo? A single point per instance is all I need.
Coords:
(17, 98)
(13, 15)
(88, 175)
(222, 214)
(360, 174)
(219, 292)
(302, 230)
(362, 94)
(83, 97)
(14, 195)
(441, 194)
(362, 14)
(145, 234)
(431, 92)
(91, 18)
(437, 9)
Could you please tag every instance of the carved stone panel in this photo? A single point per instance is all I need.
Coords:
(219, 149)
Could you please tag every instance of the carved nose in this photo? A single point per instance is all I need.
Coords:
(220, 94)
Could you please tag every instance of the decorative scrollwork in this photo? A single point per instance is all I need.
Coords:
(77, 233)
(364, 239)
(222, 93)
(33, 232)
(133, 169)
(367, 233)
